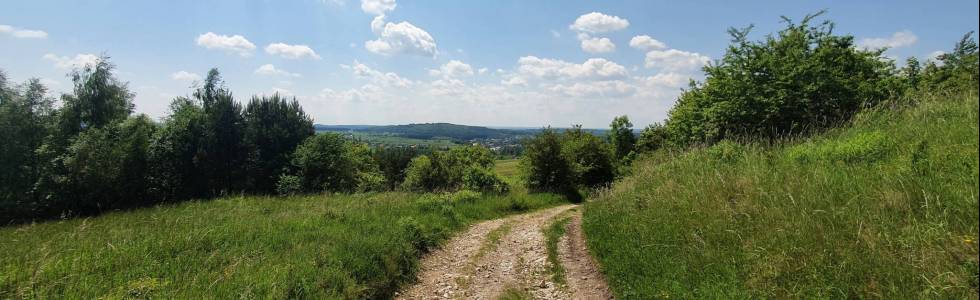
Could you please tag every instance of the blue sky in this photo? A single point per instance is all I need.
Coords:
(497, 63)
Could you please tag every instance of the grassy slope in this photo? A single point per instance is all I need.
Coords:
(340, 246)
(884, 208)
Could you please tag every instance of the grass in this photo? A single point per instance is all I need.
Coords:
(325, 246)
(514, 293)
(553, 234)
(883, 208)
(508, 168)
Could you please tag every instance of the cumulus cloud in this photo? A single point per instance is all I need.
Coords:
(185, 76)
(402, 37)
(23, 33)
(454, 69)
(234, 44)
(67, 63)
(378, 7)
(646, 43)
(594, 68)
(673, 60)
(671, 80)
(596, 22)
(897, 40)
(270, 70)
(514, 81)
(387, 79)
(596, 45)
(605, 88)
(291, 51)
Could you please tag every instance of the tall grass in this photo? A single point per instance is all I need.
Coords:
(339, 246)
(884, 208)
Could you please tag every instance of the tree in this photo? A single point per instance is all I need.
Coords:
(224, 149)
(393, 162)
(176, 154)
(274, 127)
(621, 136)
(652, 137)
(590, 158)
(545, 168)
(958, 68)
(25, 120)
(98, 99)
(800, 79)
(106, 167)
(329, 162)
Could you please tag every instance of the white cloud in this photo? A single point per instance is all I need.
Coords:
(448, 87)
(514, 81)
(269, 69)
(234, 44)
(67, 63)
(378, 7)
(453, 69)
(555, 34)
(594, 68)
(899, 39)
(377, 77)
(483, 70)
(595, 22)
(934, 55)
(673, 80)
(646, 43)
(675, 60)
(23, 33)
(403, 37)
(605, 88)
(291, 51)
(597, 45)
(185, 76)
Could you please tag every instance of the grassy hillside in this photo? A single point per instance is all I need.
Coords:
(340, 246)
(885, 208)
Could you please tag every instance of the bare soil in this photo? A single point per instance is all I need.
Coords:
(510, 253)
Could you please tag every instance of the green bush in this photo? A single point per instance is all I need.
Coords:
(802, 78)
(544, 166)
(592, 160)
(289, 185)
(467, 167)
(329, 162)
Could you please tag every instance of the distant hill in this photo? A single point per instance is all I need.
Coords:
(441, 130)
(430, 131)
(445, 130)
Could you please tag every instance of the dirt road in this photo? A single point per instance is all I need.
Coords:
(509, 257)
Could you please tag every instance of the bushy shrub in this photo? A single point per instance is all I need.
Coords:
(544, 167)
(288, 185)
(468, 167)
(590, 158)
(800, 79)
(483, 179)
(329, 162)
(652, 138)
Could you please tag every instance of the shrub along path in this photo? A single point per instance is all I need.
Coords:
(509, 257)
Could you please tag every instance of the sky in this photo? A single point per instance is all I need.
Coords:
(489, 63)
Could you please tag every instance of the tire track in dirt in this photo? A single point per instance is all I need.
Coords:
(473, 266)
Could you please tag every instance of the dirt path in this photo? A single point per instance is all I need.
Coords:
(509, 255)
